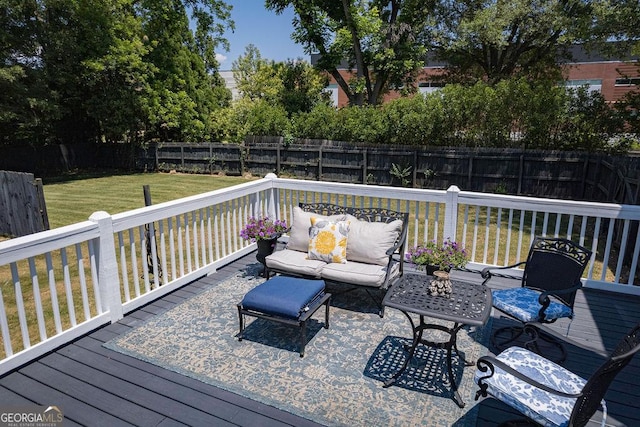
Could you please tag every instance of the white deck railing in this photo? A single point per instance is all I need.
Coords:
(60, 284)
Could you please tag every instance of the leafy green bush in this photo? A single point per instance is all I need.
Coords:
(413, 121)
(360, 124)
(319, 123)
(246, 117)
(511, 113)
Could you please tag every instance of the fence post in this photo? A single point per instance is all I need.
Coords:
(108, 279)
(451, 213)
(364, 166)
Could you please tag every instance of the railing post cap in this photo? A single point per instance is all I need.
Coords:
(271, 175)
(96, 216)
(454, 188)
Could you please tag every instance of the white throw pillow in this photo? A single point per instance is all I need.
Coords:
(299, 233)
(368, 242)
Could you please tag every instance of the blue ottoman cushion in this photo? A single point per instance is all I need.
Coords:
(283, 296)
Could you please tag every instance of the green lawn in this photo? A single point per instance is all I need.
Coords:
(75, 199)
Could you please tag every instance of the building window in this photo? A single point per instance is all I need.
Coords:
(593, 85)
(428, 87)
(628, 81)
(332, 90)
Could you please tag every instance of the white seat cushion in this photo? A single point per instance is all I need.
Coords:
(295, 262)
(547, 409)
(358, 273)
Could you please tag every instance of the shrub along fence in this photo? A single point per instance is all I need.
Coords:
(557, 174)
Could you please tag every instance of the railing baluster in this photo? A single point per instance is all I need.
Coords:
(37, 299)
(465, 226)
(635, 258)
(187, 241)
(93, 268)
(532, 234)
(520, 235)
(123, 268)
(151, 235)
(486, 236)
(496, 247)
(607, 250)
(557, 229)
(66, 277)
(622, 250)
(583, 229)
(209, 236)
(145, 258)
(4, 328)
(163, 253)
(83, 283)
(134, 262)
(570, 227)
(196, 244)
(594, 247)
(53, 293)
(507, 251)
(476, 222)
(22, 315)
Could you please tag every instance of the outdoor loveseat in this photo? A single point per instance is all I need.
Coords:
(375, 245)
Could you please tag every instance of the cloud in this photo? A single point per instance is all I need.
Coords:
(220, 57)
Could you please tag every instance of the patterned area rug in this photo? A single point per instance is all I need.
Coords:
(339, 380)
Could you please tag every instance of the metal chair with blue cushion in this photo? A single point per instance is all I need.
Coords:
(550, 280)
(546, 393)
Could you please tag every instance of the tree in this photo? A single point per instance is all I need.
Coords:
(256, 78)
(26, 103)
(108, 70)
(294, 85)
(381, 40)
(497, 39)
(302, 86)
(619, 21)
(185, 85)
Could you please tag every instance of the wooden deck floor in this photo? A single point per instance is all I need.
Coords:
(95, 386)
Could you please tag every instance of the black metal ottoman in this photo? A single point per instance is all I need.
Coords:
(288, 300)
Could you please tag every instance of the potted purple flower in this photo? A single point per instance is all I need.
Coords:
(433, 256)
(265, 232)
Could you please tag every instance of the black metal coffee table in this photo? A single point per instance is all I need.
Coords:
(468, 304)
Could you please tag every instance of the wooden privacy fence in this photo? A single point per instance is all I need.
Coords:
(556, 174)
(22, 206)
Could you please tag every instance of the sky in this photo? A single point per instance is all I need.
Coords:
(269, 32)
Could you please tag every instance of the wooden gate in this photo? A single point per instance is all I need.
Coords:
(22, 207)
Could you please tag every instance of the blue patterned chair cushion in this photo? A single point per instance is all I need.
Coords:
(544, 408)
(522, 303)
(283, 296)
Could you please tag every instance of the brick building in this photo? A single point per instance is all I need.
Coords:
(612, 77)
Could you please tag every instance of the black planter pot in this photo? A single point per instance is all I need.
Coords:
(430, 269)
(265, 248)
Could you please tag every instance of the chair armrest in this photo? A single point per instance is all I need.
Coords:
(486, 272)
(398, 247)
(489, 363)
(544, 299)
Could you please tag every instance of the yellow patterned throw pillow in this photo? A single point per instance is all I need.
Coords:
(328, 240)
